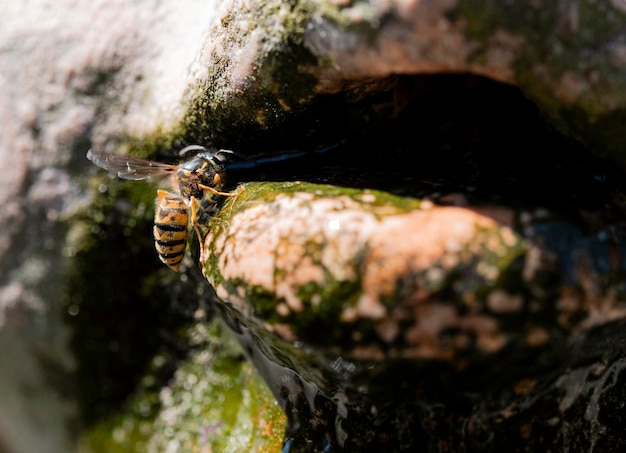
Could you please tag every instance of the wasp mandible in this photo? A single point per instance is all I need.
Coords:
(198, 178)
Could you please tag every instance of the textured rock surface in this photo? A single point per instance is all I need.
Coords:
(262, 76)
(360, 260)
(70, 74)
(215, 401)
(567, 57)
(483, 317)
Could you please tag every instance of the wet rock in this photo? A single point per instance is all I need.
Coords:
(214, 401)
(359, 260)
(534, 286)
(482, 316)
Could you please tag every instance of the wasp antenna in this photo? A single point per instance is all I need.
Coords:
(190, 148)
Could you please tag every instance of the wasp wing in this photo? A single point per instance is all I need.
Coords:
(128, 167)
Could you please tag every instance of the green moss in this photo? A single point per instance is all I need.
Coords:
(267, 192)
(280, 95)
(494, 251)
(323, 302)
(215, 401)
(323, 305)
(110, 287)
(330, 296)
(161, 144)
(275, 104)
(273, 91)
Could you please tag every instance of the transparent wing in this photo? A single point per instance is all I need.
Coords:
(128, 167)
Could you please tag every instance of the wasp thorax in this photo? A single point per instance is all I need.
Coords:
(197, 174)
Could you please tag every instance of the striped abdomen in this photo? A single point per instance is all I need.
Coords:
(170, 228)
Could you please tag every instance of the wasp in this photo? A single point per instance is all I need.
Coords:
(197, 179)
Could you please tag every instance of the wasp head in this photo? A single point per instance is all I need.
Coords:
(205, 169)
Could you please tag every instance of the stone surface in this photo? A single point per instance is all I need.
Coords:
(355, 258)
(482, 316)
(215, 401)
(566, 57)
(258, 77)
(71, 74)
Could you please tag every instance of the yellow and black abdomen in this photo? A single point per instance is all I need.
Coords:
(170, 228)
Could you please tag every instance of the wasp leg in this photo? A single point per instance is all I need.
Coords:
(197, 204)
(194, 217)
(217, 192)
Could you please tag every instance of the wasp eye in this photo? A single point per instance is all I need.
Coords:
(191, 148)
